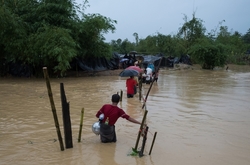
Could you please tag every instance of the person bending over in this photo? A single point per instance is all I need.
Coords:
(111, 114)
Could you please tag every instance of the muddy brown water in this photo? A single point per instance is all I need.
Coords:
(201, 118)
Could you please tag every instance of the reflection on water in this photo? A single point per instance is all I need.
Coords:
(201, 117)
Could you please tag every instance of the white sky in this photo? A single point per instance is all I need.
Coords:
(147, 17)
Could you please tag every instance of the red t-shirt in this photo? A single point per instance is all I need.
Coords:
(130, 83)
(113, 112)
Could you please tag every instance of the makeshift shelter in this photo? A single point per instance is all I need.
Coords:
(151, 59)
(98, 64)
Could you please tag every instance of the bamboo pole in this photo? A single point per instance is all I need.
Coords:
(144, 142)
(139, 133)
(80, 130)
(66, 119)
(152, 143)
(53, 108)
(145, 100)
(151, 85)
(121, 95)
(140, 88)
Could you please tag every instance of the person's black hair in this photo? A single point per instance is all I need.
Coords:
(115, 98)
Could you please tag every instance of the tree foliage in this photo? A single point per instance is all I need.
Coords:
(191, 30)
(208, 54)
(215, 48)
(51, 33)
(91, 39)
(246, 37)
(123, 47)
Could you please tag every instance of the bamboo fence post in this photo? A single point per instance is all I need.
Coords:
(151, 85)
(140, 88)
(53, 108)
(121, 95)
(145, 100)
(66, 119)
(80, 130)
(152, 143)
(143, 142)
(139, 133)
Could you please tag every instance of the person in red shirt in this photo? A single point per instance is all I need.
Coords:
(131, 84)
(111, 114)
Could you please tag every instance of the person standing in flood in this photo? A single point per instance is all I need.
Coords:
(148, 75)
(111, 113)
(156, 75)
(131, 84)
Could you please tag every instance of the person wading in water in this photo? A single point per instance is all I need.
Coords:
(111, 114)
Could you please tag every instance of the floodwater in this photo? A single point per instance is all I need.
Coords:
(201, 117)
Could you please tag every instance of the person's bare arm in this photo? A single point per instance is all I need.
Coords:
(133, 120)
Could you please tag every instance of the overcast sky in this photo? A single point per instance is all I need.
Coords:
(148, 17)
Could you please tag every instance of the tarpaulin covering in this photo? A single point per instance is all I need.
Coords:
(99, 64)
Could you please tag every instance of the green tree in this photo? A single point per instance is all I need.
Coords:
(116, 45)
(122, 47)
(136, 38)
(204, 49)
(51, 33)
(54, 47)
(90, 36)
(165, 44)
(191, 30)
(13, 32)
(246, 40)
(141, 47)
(36, 25)
(127, 46)
(235, 47)
(151, 44)
(246, 37)
(208, 54)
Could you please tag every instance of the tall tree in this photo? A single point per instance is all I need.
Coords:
(136, 38)
(208, 54)
(191, 30)
(246, 37)
(51, 33)
(91, 36)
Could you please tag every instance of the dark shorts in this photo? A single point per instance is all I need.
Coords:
(107, 133)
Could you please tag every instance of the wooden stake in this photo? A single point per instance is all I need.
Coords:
(140, 88)
(80, 130)
(145, 100)
(53, 108)
(152, 143)
(121, 95)
(143, 142)
(66, 119)
(139, 133)
(151, 85)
